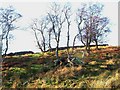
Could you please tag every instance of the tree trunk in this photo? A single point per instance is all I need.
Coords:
(96, 43)
(88, 49)
(1, 60)
(40, 47)
(74, 41)
(57, 50)
(44, 46)
(49, 41)
(0, 46)
(89, 45)
(6, 49)
(68, 38)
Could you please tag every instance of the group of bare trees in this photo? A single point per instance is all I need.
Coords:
(92, 26)
(53, 23)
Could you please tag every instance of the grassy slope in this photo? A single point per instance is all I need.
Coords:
(38, 71)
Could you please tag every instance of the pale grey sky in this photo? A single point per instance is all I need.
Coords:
(24, 39)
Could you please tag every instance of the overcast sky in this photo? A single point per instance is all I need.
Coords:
(24, 39)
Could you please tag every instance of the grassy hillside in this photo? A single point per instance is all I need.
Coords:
(100, 70)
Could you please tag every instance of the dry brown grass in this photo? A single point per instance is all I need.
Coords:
(109, 82)
(74, 76)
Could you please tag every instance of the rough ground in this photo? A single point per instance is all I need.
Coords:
(100, 70)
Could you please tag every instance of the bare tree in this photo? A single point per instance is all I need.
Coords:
(40, 26)
(8, 17)
(67, 13)
(37, 40)
(81, 18)
(56, 17)
(100, 29)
